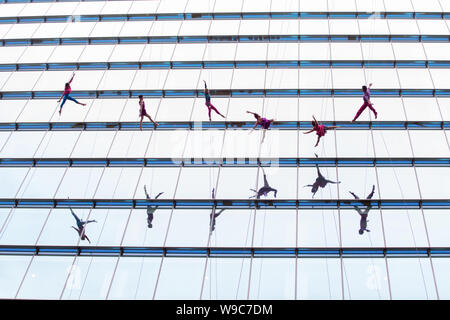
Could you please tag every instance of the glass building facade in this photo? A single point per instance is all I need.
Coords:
(210, 237)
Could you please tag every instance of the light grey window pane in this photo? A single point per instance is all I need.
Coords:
(4, 29)
(79, 29)
(107, 29)
(377, 51)
(12, 179)
(167, 144)
(108, 229)
(434, 182)
(236, 222)
(283, 27)
(358, 181)
(196, 6)
(89, 8)
(11, 54)
(158, 180)
(398, 6)
(345, 51)
(444, 106)
(10, 109)
(440, 268)
(165, 28)
(347, 78)
(66, 53)
(318, 228)
(79, 183)
(127, 52)
(238, 107)
(322, 108)
(180, 283)
(411, 278)
(319, 278)
(36, 54)
(189, 52)
(281, 79)
(194, 27)
(254, 27)
(388, 109)
(45, 278)
(116, 80)
(248, 79)
(432, 27)
(61, 8)
(404, 228)
(285, 6)
(204, 144)
(4, 136)
(21, 31)
(47, 30)
(437, 222)
(21, 81)
(343, 26)
(341, 5)
(96, 53)
(439, 77)
(11, 9)
(84, 80)
(408, 51)
(220, 51)
(23, 226)
(116, 7)
(11, 273)
(57, 145)
(196, 183)
(148, 6)
(370, 5)
(189, 220)
(437, 51)
(429, 6)
(251, 51)
(168, 6)
(93, 144)
(135, 278)
(315, 78)
(326, 147)
(41, 183)
(235, 183)
(53, 80)
(422, 109)
(226, 279)
(170, 109)
(426, 143)
(365, 279)
(350, 226)
(157, 52)
(351, 144)
(130, 112)
(275, 228)
(224, 27)
(310, 27)
(228, 6)
(272, 278)
(215, 79)
(283, 51)
(138, 233)
(130, 144)
(346, 109)
(258, 6)
(402, 27)
(398, 183)
(22, 144)
(308, 6)
(149, 80)
(282, 109)
(118, 183)
(105, 110)
(383, 78)
(200, 111)
(279, 143)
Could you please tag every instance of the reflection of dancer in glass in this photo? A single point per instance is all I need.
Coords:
(367, 103)
(264, 190)
(143, 113)
(150, 210)
(81, 226)
(66, 95)
(213, 215)
(208, 103)
(263, 122)
(364, 214)
(320, 130)
(320, 181)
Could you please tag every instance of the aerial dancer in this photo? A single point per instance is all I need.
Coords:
(264, 190)
(320, 129)
(143, 113)
(66, 95)
(150, 210)
(265, 123)
(364, 214)
(367, 103)
(213, 215)
(208, 103)
(320, 181)
(81, 226)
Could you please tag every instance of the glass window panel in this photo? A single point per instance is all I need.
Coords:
(183, 220)
(66, 53)
(312, 282)
(398, 183)
(96, 53)
(433, 27)
(237, 109)
(11, 54)
(107, 29)
(359, 181)
(200, 111)
(49, 30)
(228, 6)
(157, 52)
(22, 144)
(116, 80)
(314, 78)
(283, 27)
(53, 80)
(224, 27)
(351, 226)
(180, 283)
(351, 144)
(408, 51)
(239, 223)
(279, 143)
(440, 268)
(11, 274)
(61, 8)
(285, 6)
(440, 78)
(189, 52)
(158, 180)
(227, 188)
(434, 182)
(399, 6)
(365, 279)
(377, 51)
(21, 81)
(426, 143)
(11, 109)
(319, 5)
(404, 228)
(226, 278)
(173, 109)
(339, 5)
(220, 51)
(437, 222)
(79, 29)
(345, 51)
(281, 79)
(12, 179)
(116, 7)
(79, 183)
(130, 111)
(85, 80)
(251, 51)
(139, 234)
(275, 228)
(168, 6)
(343, 26)
(149, 80)
(391, 144)
(310, 27)
(307, 176)
(204, 144)
(4, 136)
(318, 228)
(192, 178)
(254, 27)
(109, 228)
(45, 278)
(93, 144)
(130, 144)
(272, 278)
(326, 147)
(11, 9)
(24, 226)
(236, 146)
(36, 54)
(118, 183)
(346, 109)
(194, 27)
(283, 51)
(165, 28)
(4, 28)
(347, 78)
(200, 6)
(429, 6)
(248, 79)
(35, 9)
(135, 278)
(127, 52)
(445, 6)
(444, 106)
(105, 110)
(411, 278)
(383, 78)
(422, 109)
(168, 144)
(135, 29)
(4, 76)
(282, 109)
(149, 6)
(370, 5)
(57, 144)
(321, 107)
(437, 51)
(89, 8)
(258, 6)
(402, 27)
(373, 26)
(389, 109)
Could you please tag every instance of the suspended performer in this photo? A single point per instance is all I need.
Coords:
(263, 122)
(209, 105)
(213, 215)
(264, 190)
(150, 210)
(66, 95)
(320, 129)
(81, 226)
(143, 113)
(367, 103)
(320, 181)
(364, 214)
